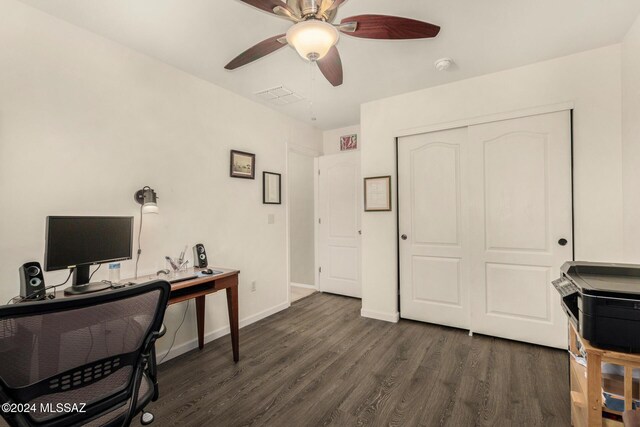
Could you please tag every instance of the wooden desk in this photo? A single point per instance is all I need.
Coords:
(198, 289)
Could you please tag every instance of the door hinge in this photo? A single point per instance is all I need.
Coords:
(318, 171)
(319, 220)
(319, 269)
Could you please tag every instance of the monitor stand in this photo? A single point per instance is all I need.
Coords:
(81, 283)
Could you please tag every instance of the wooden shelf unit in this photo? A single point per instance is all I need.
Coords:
(586, 382)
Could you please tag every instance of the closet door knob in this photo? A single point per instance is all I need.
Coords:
(563, 242)
(403, 237)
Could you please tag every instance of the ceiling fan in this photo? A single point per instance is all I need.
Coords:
(314, 35)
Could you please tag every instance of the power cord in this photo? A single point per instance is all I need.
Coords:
(173, 341)
(139, 248)
(21, 298)
(94, 272)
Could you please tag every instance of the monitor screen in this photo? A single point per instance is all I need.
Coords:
(84, 240)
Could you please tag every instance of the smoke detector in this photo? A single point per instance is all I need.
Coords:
(443, 64)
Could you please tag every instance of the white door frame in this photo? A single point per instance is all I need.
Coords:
(308, 152)
(553, 108)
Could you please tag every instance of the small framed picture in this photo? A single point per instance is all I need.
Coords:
(271, 188)
(242, 165)
(349, 142)
(377, 194)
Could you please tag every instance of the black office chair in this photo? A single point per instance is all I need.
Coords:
(96, 350)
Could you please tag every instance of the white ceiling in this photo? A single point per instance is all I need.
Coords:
(482, 36)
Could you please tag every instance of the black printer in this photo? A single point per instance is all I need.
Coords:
(603, 302)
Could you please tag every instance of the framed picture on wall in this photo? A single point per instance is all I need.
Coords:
(242, 165)
(377, 194)
(349, 142)
(271, 188)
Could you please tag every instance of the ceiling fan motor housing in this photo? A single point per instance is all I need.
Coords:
(309, 7)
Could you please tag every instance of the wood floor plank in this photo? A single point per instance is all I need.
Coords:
(445, 375)
(336, 382)
(320, 363)
(330, 382)
(497, 406)
(472, 391)
(291, 380)
(261, 367)
(406, 357)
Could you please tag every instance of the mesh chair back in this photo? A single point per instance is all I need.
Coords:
(77, 350)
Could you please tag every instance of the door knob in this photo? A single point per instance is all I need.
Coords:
(563, 242)
(403, 237)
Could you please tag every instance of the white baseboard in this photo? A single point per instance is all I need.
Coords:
(379, 315)
(213, 335)
(302, 285)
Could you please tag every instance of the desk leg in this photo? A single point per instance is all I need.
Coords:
(200, 317)
(232, 305)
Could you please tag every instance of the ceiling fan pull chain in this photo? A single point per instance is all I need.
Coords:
(312, 90)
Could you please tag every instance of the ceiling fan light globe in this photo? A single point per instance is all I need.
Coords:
(312, 39)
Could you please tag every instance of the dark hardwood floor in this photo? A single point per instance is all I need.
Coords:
(320, 363)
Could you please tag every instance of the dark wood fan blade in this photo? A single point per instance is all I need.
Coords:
(263, 48)
(267, 5)
(390, 27)
(331, 67)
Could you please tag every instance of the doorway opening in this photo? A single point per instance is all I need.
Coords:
(301, 184)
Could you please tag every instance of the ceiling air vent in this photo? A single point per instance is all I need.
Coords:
(279, 96)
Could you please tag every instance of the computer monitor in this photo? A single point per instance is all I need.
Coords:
(77, 242)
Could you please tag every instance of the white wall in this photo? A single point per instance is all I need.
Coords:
(302, 218)
(331, 138)
(631, 141)
(590, 80)
(85, 122)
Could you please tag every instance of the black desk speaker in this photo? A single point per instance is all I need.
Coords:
(200, 256)
(31, 281)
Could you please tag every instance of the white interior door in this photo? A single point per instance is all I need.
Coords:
(520, 182)
(434, 247)
(339, 228)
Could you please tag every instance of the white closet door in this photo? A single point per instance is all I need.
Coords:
(339, 229)
(434, 247)
(521, 233)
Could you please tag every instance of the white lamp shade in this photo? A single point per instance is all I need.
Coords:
(150, 208)
(312, 39)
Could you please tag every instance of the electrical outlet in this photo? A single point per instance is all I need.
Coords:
(253, 286)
